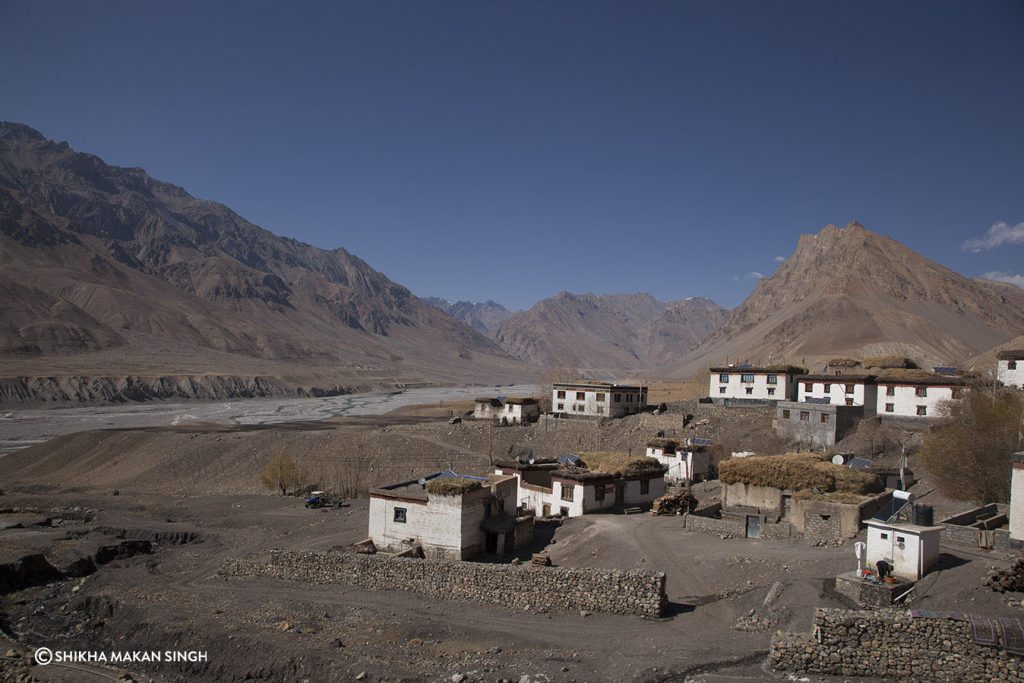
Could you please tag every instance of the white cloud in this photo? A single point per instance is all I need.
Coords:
(999, 234)
(779, 259)
(756, 275)
(999, 276)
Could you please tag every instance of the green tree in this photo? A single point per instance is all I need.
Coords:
(968, 455)
(282, 474)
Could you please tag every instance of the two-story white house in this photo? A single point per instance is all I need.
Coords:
(597, 399)
(684, 462)
(1010, 368)
(840, 390)
(450, 515)
(754, 383)
(916, 393)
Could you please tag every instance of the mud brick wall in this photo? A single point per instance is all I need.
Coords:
(523, 587)
(890, 644)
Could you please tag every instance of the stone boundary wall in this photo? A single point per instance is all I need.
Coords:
(710, 525)
(891, 644)
(523, 587)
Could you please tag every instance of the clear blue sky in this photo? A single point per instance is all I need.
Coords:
(511, 150)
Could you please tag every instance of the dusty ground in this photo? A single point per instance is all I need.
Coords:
(194, 491)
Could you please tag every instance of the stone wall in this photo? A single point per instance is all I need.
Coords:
(732, 526)
(890, 644)
(518, 587)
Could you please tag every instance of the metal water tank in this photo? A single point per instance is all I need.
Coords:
(924, 515)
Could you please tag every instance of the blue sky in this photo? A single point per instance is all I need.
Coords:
(512, 150)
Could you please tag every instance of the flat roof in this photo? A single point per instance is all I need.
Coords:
(761, 369)
(839, 379)
(1011, 354)
(416, 488)
(598, 385)
(902, 526)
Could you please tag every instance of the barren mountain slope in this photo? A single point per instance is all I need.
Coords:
(607, 334)
(482, 317)
(111, 270)
(849, 291)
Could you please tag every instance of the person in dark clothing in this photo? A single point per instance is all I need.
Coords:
(884, 569)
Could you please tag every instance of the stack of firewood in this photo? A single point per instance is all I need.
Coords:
(674, 503)
(1010, 579)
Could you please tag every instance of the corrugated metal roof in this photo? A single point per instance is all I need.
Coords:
(858, 463)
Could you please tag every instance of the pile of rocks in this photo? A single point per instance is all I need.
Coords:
(674, 504)
(1010, 579)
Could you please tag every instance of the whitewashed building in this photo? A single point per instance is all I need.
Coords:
(487, 409)
(1017, 497)
(684, 462)
(520, 410)
(914, 393)
(449, 515)
(910, 549)
(840, 390)
(754, 383)
(597, 399)
(1010, 368)
(549, 487)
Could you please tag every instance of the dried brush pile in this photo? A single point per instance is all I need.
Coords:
(797, 472)
(620, 464)
(889, 362)
(674, 503)
(451, 486)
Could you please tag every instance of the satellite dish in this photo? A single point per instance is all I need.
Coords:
(838, 460)
(529, 458)
(422, 481)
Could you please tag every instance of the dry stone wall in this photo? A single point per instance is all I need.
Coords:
(523, 587)
(891, 644)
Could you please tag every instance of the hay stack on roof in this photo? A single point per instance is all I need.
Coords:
(662, 442)
(797, 472)
(844, 363)
(451, 486)
(621, 464)
(913, 376)
(889, 362)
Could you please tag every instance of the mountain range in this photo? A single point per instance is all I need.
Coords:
(105, 270)
(852, 292)
(118, 286)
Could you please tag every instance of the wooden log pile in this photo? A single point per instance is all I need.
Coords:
(1010, 579)
(674, 503)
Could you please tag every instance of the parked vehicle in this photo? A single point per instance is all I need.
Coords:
(319, 499)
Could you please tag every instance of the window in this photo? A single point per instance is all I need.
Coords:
(921, 391)
(785, 414)
(724, 378)
(773, 379)
(922, 410)
(721, 390)
(828, 387)
(600, 410)
(579, 407)
(885, 537)
(824, 418)
(645, 487)
(567, 490)
(400, 515)
(599, 492)
(750, 390)
(890, 407)
(805, 416)
(618, 398)
(956, 392)
(563, 511)
(581, 396)
(600, 397)
(561, 406)
(1011, 365)
(890, 391)
(629, 398)
(849, 401)
(849, 388)
(561, 394)
(808, 386)
(901, 539)
(747, 378)
(771, 391)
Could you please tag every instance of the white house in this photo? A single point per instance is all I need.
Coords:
(449, 515)
(749, 382)
(688, 462)
(548, 487)
(487, 409)
(912, 550)
(840, 390)
(597, 399)
(915, 393)
(1010, 368)
(1017, 497)
(519, 410)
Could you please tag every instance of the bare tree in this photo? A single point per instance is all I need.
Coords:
(282, 474)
